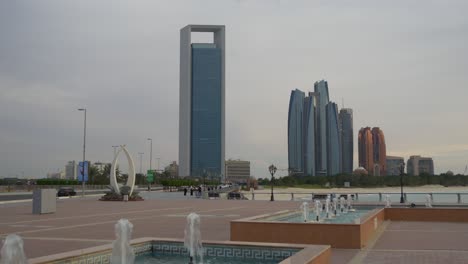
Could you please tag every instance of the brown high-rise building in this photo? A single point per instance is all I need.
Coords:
(372, 150)
(366, 156)
(379, 151)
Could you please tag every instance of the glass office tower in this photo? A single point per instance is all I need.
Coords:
(347, 140)
(333, 140)
(309, 135)
(295, 133)
(206, 109)
(201, 106)
(321, 91)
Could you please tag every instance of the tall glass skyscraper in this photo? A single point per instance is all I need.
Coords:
(309, 134)
(333, 140)
(347, 140)
(201, 110)
(314, 137)
(295, 131)
(321, 91)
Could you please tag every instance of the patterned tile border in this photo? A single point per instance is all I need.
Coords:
(103, 257)
(283, 253)
(227, 251)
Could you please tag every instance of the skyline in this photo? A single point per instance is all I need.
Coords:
(400, 66)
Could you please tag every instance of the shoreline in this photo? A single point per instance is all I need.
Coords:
(396, 189)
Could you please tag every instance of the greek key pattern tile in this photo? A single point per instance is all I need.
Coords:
(247, 252)
(104, 257)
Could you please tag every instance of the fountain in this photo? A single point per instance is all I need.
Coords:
(318, 207)
(305, 211)
(327, 207)
(342, 201)
(12, 251)
(349, 200)
(388, 203)
(192, 239)
(335, 203)
(428, 201)
(122, 252)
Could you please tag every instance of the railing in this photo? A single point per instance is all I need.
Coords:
(409, 197)
(30, 188)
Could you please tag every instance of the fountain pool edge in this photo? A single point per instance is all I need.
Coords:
(338, 235)
(311, 254)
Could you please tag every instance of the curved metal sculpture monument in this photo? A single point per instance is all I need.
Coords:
(131, 171)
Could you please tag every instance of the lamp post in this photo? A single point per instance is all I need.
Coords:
(141, 161)
(151, 158)
(84, 153)
(115, 150)
(272, 170)
(402, 171)
(204, 179)
(158, 162)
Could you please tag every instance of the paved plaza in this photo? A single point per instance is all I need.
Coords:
(82, 223)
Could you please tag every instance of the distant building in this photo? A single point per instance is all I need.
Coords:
(379, 150)
(314, 133)
(347, 140)
(295, 129)
(237, 171)
(56, 175)
(321, 91)
(308, 135)
(173, 169)
(420, 165)
(372, 150)
(365, 149)
(333, 140)
(202, 102)
(393, 165)
(70, 170)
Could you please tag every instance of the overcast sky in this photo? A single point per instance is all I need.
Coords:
(400, 65)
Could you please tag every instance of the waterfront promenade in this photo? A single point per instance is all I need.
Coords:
(81, 223)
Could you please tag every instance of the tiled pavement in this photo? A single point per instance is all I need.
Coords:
(85, 223)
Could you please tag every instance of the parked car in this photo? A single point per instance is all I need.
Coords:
(66, 191)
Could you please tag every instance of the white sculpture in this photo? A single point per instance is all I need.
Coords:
(131, 172)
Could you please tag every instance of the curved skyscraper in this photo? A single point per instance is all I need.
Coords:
(321, 91)
(309, 134)
(314, 144)
(365, 149)
(333, 140)
(295, 135)
(347, 140)
(372, 150)
(379, 151)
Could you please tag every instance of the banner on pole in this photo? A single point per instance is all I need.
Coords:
(83, 172)
(150, 176)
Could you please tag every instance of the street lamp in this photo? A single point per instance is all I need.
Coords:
(402, 172)
(151, 158)
(84, 153)
(272, 170)
(141, 160)
(115, 152)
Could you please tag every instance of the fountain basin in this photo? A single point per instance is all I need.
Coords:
(350, 217)
(269, 228)
(153, 250)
